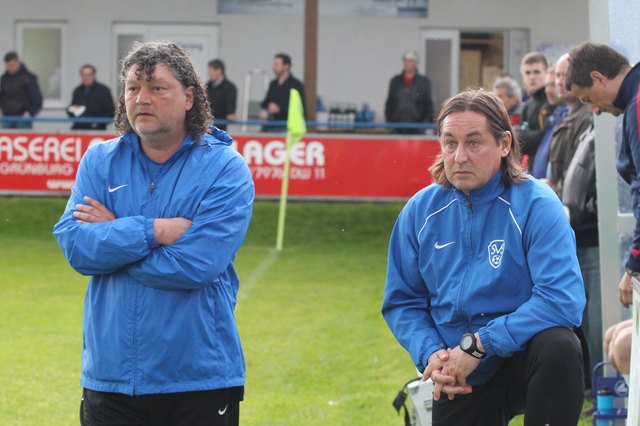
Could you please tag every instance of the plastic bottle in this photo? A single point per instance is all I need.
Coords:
(605, 402)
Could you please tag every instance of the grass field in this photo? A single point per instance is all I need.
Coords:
(317, 349)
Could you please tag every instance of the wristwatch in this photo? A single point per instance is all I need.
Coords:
(633, 274)
(469, 345)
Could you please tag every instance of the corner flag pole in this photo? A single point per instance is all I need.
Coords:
(296, 128)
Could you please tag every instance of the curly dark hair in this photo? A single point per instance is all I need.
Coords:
(145, 56)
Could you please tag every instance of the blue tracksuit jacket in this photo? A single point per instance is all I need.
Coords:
(159, 319)
(501, 262)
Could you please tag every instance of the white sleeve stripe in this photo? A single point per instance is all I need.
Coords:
(434, 213)
(514, 221)
(504, 201)
(512, 216)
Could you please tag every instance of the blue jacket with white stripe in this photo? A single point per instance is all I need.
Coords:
(159, 319)
(501, 262)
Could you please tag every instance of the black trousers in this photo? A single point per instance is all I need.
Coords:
(205, 408)
(545, 382)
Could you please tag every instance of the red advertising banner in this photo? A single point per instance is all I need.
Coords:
(342, 166)
(322, 166)
(41, 163)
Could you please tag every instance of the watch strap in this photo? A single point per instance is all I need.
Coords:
(473, 349)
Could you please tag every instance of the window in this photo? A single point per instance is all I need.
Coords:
(41, 48)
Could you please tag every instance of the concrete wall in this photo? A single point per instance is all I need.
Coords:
(356, 55)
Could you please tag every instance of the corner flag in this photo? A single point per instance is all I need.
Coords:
(296, 129)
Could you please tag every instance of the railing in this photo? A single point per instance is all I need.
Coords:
(17, 119)
(276, 125)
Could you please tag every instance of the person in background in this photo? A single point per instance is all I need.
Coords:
(222, 93)
(483, 285)
(409, 99)
(564, 143)
(602, 77)
(566, 135)
(509, 92)
(20, 94)
(90, 99)
(617, 345)
(275, 105)
(533, 69)
(580, 199)
(155, 218)
(539, 165)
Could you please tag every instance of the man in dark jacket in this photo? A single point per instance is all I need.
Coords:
(409, 99)
(275, 105)
(602, 77)
(19, 92)
(91, 99)
(566, 135)
(537, 109)
(566, 138)
(222, 93)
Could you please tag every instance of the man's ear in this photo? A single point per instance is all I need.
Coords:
(597, 76)
(505, 144)
(190, 96)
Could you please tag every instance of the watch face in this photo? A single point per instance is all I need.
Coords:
(466, 342)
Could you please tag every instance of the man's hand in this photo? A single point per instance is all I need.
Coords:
(441, 377)
(459, 365)
(435, 363)
(168, 231)
(626, 294)
(95, 212)
(273, 108)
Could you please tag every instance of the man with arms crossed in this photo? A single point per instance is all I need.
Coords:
(155, 218)
(483, 285)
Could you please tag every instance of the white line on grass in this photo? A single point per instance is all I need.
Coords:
(247, 285)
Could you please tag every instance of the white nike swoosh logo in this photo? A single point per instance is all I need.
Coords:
(221, 412)
(116, 188)
(439, 246)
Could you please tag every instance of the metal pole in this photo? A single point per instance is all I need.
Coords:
(310, 57)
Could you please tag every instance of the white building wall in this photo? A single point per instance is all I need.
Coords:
(356, 55)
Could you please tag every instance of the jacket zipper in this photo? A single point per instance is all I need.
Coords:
(468, 239)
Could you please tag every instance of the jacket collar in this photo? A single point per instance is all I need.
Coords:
(628, 88)
(132, 139)
(485, 194)
(540, 94)
(215, 136)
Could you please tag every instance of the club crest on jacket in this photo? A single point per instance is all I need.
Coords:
(496, 250)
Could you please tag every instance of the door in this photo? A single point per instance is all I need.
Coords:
(201, 41)
(442, 56)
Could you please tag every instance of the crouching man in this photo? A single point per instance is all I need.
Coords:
(483, 285)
